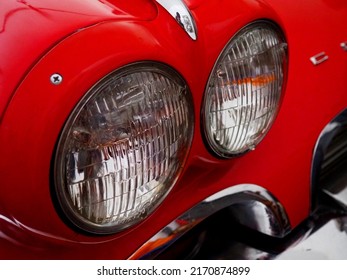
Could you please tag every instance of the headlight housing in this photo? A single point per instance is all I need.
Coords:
(243, 93)
(123, 147)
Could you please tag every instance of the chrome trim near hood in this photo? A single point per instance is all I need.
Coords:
(179, 11)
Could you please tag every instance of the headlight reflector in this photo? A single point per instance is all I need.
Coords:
(123, 147)
(243, 93)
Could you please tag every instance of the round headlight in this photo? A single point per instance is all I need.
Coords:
(123, 147)
(244, 89)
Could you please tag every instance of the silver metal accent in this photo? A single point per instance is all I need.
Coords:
(56, 79)
(337, 188)
(340, 196)
(319, 58)
(254, 207)
(325, 243)
(344, 46)
(179, 11)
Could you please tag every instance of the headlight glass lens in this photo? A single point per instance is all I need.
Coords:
(244, 89)
(123, 147)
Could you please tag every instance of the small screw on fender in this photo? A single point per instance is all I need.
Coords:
(56, 79)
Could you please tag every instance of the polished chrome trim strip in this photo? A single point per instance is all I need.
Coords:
(319, 58)
(179, 11)
(260, 205)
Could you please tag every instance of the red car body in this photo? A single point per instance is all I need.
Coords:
(86, 40)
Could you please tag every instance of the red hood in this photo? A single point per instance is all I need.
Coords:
(29, 28)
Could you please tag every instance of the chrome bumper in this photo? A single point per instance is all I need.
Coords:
(197, 237)
(247, 222)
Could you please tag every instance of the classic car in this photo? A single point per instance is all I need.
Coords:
(170, 129)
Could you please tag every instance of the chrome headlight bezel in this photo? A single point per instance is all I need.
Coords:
(239, 83)
(176, 152)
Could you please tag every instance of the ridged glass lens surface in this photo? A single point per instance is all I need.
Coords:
(244, 90)
(123, 148)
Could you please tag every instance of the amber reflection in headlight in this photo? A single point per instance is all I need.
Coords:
(244, 90)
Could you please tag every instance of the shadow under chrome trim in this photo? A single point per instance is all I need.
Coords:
(245, 206)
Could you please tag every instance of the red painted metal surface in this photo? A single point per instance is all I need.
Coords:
(29, 28)
(85, 40)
